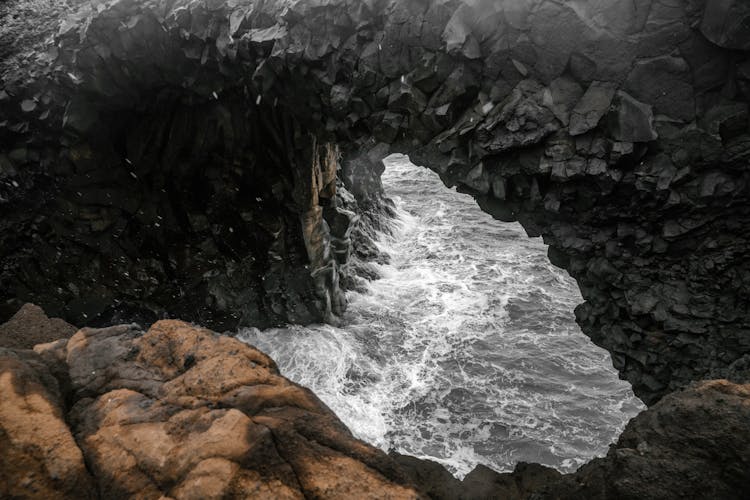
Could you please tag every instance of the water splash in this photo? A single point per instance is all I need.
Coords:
(466, 350)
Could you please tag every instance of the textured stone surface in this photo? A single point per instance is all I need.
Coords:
(182, 412)
(30, 326)
(692, 444)
(158, 178)
(38, 455)
(177, 412)
(481, 483)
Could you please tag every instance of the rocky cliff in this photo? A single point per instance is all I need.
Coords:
(175, 412)
(142, 179)
(183, 157)
(182, 412)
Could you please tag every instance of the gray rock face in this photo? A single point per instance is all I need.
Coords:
(631, 120)
(727, 23)
(191, 132)
(679, 448)
(592, 106)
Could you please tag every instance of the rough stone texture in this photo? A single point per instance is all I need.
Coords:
(198, 135)
(30, 326)
(181, 409)
(213, 207)
(38, 456)
(482, 483)
(177, 412)
(692, 444)
(182, 412)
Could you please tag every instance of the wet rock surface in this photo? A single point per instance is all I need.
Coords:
(175, 158)
(175, 412)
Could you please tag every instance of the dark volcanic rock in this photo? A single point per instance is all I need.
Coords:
(727, 23)
(181, 158)
(30, 326)
(480, 484)
(632, 121)
(692, 444)
(591, 108)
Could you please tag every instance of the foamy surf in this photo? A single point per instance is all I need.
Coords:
(466, 350)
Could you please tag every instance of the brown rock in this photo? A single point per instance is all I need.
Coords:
(185, 413)
(30, 326)
(38, 456)
(182, 412)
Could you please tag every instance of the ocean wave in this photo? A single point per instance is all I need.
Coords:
(466, 350)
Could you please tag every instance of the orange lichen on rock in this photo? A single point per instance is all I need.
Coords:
(38, 456)
(184, 412)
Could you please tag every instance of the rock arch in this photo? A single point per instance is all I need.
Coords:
(180, 157)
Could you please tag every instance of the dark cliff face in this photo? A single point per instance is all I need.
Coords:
(199, 139)
(127, 196)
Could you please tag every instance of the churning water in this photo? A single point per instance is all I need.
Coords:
(466, 351)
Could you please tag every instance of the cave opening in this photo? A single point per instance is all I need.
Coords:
(463, 348)
(618, 134)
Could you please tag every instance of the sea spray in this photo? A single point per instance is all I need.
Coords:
(466, 350)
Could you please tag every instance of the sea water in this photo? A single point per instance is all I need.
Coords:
(466, 350)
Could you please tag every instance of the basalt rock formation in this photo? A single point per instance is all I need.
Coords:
(195, 157)
(147, 199)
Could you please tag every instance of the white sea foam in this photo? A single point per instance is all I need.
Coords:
(466, 350)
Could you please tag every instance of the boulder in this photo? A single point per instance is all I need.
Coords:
(38, 456)
(183, 412)
(30, 326)
(693, 444)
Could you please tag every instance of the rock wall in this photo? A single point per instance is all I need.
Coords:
(125, 196)
(618, 131)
